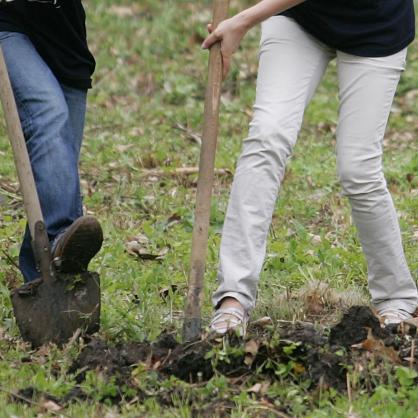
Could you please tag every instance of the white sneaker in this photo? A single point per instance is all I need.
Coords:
(392, 316)
(225, 319)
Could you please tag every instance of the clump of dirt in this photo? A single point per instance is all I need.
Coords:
(327, 368)
(354, 327)
(118, 360)
(189, 362)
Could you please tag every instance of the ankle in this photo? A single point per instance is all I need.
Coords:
(230, 302)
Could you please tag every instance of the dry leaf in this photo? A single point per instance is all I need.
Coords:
(111, 414)
(251, 350)
(164, 293)
(262, 322)
(378, 347)
(138, 247)
(123, 147)
(123, 11)
(255, 389)
(316, 239)
(260, 388)
(49, 405)
(134, 248)
(298, 368)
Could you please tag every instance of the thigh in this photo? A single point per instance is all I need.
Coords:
(38, 94)
(292, 64)
(367, 88)
(76, 101)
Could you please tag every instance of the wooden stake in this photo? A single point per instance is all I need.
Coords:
(192, 314)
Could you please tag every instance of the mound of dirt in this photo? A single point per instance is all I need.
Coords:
(310, 352)
(354, 327)
(118, 360)
(315, 347)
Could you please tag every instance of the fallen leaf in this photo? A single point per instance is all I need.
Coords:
(134, 248)
(173, 219)
(316, 239)
(298, 368)
(50, 405)
(111, 414)
(123, 11)
(123, 147)
(189, 134)
(164, 293)
(251, 350)
(262, 322)
(378, 347)
(255, 389)
(260, 388)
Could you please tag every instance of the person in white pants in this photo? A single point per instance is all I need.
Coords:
(294, 54)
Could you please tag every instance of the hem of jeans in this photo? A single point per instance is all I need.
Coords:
(243, 300)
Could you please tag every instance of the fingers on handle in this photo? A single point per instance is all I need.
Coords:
(210, 40)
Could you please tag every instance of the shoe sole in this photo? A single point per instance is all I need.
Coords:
(79, 244)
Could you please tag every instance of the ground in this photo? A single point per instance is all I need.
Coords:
(143, 125)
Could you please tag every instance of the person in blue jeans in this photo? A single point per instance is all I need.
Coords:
(50, 67)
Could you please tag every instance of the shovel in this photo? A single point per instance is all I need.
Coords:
(53, 307)
(192, 316)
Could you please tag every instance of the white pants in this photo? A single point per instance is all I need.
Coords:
(292, 64)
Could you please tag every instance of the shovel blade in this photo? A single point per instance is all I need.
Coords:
(53, 312)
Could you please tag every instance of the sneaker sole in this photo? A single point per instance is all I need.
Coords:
(80, 243)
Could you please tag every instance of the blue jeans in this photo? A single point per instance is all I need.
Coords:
(52, 117)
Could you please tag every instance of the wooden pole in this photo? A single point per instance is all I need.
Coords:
(20, 153)
(192, 314)
(24, 172)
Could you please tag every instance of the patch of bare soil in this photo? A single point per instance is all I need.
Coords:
(316, 354)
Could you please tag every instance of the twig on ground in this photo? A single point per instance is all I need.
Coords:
(272, 410)
(182, 171)
(30, 402)
(10, 195)
(10, 259)
(189, 134)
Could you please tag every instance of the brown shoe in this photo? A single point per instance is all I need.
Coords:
(78, 245)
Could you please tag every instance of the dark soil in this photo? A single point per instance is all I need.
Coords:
(118, 360)
(354, 327)
(320, 355)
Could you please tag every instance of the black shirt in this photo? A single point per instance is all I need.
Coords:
(368, 28)
(58, 31)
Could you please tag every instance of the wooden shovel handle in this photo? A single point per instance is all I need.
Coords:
(20, 153)
(24, 171)
(192, 315)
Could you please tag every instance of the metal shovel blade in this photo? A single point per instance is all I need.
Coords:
(53, 312)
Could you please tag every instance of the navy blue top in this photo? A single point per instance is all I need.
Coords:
(58, 32)
(368, 28)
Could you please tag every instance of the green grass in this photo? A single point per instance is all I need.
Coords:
(150, 78)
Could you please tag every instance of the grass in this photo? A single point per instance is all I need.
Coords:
(150, 79)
